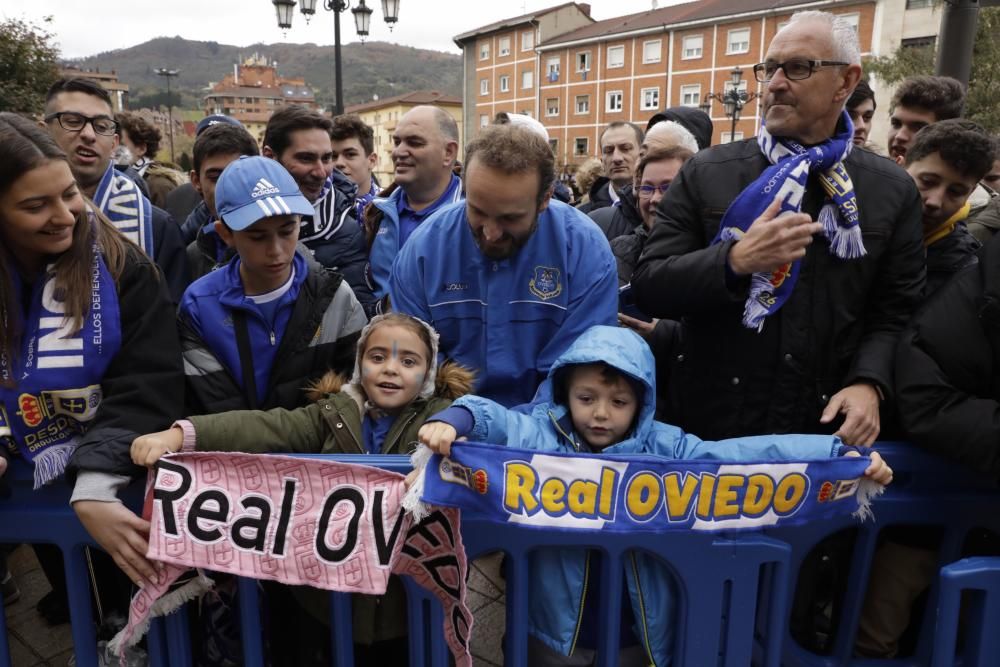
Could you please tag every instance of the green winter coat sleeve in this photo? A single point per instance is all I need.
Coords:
(299, 431)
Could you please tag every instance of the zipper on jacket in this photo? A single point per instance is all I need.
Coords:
(559, 429)
(642, 611)
(583, 600)
(272, 339)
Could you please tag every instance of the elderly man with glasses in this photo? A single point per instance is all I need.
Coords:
(793, 261)
(79, 116)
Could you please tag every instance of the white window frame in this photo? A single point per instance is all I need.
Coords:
(619, 47)
(854, 19)
(554, 145)
(655, 99)
(610, 99)
(687, 51)
(728, 86)
(484, 86)
(527, 40)
(484, 51)
(726, 139)
(504, 83)
(551, 110)
(501, 49)
(690, 89)
(646, 58)
(584, 56)
(530, 74)
(576, 146)
(583, 100)
(553, 64)
(484, 120)
(730, 51)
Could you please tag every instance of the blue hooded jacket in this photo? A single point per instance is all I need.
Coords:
(508, 319)
(559, 576)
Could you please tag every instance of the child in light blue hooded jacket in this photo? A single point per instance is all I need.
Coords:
(600, 397)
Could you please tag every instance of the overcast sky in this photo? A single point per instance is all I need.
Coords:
(86, 27)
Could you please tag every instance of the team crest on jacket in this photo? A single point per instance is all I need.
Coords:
(545, 283)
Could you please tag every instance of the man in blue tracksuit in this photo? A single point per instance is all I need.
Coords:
(509, 278)
(423, 155)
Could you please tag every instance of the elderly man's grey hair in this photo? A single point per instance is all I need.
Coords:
(845, 37)
(668, 134)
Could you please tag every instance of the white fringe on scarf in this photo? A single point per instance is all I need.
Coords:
(411, 501)
(868, 490)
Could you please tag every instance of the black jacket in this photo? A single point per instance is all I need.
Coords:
(839, 326)
(949, 255)
(321, 335)
(598, 196)
(144, 385)
(181, 201)
(170, 253)
(617, 220)
(627, 248)
(948, 368)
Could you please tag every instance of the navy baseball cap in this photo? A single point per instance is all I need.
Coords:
(215, 119)
(253, 188)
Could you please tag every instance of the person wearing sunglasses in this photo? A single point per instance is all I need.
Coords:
(80, 118)
(793, 260)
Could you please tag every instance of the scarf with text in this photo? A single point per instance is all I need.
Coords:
(121, 200)
(299, 521)
(56, 389)
(614, 493)
(785, 179)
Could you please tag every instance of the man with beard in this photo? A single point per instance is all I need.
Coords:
(79, 116)
(510, 277)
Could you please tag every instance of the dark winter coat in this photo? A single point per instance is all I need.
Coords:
(615, 221)
(839, 327)
(599, 195)
(949, 255)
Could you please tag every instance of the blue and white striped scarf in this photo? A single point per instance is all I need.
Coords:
(121, 200)
(791, 164)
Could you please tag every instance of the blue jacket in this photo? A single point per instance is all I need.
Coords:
(559, 576)
(386, 245)
(316, 328)
(507, 319)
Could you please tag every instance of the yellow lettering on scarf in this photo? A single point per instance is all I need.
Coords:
(789, 493)
(609, 477)
(760, 491)
(679, 496)
(553, 492)
(643, 495)
(705, 492)
(725, 495)
(518, 491)
(582, 497)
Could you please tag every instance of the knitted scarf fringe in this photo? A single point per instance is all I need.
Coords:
(51, 463)
(411, 501)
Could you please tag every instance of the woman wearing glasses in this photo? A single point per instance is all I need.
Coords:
(89, 355)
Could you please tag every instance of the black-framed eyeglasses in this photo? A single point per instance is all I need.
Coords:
(795, 69)
(75, 122)
(646, 191)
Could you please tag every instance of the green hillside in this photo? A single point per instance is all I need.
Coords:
(372, 68)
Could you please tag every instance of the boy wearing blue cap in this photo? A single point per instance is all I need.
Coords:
(260, 329)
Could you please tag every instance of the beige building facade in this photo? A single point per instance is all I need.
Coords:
(383, 116)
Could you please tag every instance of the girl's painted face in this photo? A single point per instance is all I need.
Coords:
(38, 213)
(393, 367)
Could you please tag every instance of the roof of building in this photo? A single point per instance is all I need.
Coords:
(688, 12)
(518, 20)
(414, 98)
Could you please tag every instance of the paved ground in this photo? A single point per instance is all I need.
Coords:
(34, 644)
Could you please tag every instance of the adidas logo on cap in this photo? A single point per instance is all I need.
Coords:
(263, 187)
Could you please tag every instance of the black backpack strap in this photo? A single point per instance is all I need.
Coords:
(246, 357)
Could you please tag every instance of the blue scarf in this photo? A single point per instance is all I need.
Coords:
(121, 200)
(615, 493)
(791, 164)
(325, 222)
(56, 388)
(362, 201)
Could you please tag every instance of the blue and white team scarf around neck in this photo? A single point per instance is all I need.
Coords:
(121, 200)
(56, 388)
(791, 164)
(621, 494)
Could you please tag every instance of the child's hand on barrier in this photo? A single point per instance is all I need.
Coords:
(879, 470)
(438, 436)
(147, 449)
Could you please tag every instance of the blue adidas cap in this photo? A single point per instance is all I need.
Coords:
(255, 187)
(215, 119)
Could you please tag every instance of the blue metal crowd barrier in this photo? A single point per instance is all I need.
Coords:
(45, 517)
(735, 591)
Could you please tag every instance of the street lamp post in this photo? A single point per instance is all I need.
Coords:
(733, 100)
(169, 74)
(362, 22)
